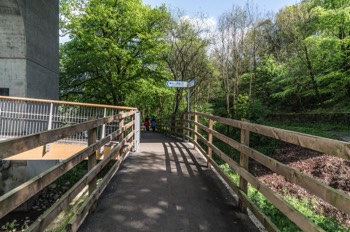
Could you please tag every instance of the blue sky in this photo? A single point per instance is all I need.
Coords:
(214, 8)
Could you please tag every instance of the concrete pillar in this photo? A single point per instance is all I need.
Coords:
(29, 44)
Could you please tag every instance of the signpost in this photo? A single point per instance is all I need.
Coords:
(191, 83)
(183, 84)
(177, 84)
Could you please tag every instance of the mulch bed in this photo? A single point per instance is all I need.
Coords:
(330, 170)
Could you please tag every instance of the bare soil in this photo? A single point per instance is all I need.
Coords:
(330, 170)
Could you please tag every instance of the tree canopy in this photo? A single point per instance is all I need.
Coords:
(122, 52)
(114, 44)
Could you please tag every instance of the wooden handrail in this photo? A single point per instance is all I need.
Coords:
(329, 146)
(14, 198)
(336, 148)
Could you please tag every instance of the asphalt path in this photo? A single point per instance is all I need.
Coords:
(166, 186)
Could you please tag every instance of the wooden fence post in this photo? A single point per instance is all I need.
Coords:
(121, 125)
(92, 136)
(210, 139)
(173, 127)
(183, 126)
(122, 135)
(244, 162)
(195, 130)
(133, 138)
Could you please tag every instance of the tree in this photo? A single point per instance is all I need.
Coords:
(331, 45)
(296, 25)
(232, 52)
(186, 56)
(113, 44)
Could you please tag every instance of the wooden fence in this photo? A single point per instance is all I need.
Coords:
(178, 126)
(124, 137)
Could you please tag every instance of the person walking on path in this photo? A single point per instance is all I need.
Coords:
(146, 123)
(153, 124)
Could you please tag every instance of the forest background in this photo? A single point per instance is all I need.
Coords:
(122, 53)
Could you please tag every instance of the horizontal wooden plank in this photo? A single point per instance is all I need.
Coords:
(10, 200)
(202, 127)
(336, 198)
(264, 220)
(126, 114)
(22, 193)
(44, 220)
(129, 125)
(333, 196)
(298, 218)
(329, 146)
(50, 214)
(17, 145)
(79, 217)
(66, 103)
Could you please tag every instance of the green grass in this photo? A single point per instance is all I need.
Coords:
(326, 130)
(304, 206)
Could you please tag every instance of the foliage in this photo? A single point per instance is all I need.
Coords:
(302, 62)
(152, 98)
(122, 52)
(113, 44)
(10, 226)
(327, 130)
(187, 59)
(305, 206)
(298, 60)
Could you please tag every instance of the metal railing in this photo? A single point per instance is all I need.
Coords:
(25, 116)
(126, 137)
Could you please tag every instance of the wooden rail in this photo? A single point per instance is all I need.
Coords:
(125, 137)
(336, 148)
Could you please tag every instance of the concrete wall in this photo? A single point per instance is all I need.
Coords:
(12, 174)
(29, 44)
(12, 49)
(15, 172)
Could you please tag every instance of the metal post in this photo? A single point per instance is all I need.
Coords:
(49, 127)
(103, 133)
(188, 110)
(137, 130)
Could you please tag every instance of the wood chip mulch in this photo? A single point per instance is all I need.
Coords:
(330, 170)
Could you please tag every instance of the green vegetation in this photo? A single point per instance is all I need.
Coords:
(279, 219)
(327, 130)
(297, 60)
(14, 226)
(122, 52)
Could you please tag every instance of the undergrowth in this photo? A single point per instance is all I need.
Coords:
(327, 130)
(304, 206)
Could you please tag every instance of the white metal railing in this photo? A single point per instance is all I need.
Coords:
(24, 116)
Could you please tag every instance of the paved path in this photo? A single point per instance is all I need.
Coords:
(166, 186)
